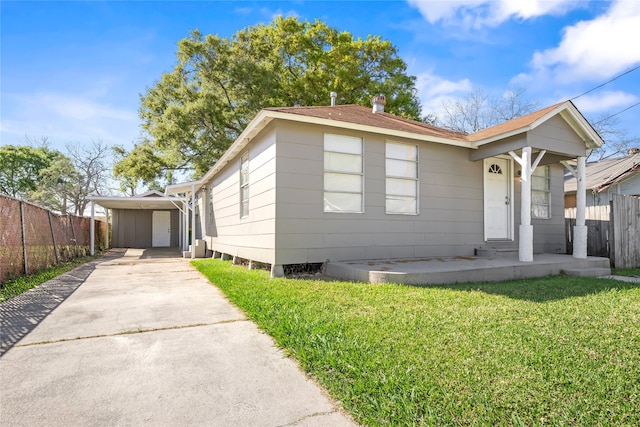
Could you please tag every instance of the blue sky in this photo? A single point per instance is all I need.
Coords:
(73, 71)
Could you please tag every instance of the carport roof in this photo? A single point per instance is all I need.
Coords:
(149, 202)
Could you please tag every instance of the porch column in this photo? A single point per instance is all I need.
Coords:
(580, 229)
(193, 221)
(106, 243)
(525, 250)
(92, 229)
(185, 226)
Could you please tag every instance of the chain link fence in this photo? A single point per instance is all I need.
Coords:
(33, 238)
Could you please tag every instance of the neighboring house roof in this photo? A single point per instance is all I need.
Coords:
(356, 117)
(605, 173)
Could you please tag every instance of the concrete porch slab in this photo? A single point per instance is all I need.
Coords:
(445, 270)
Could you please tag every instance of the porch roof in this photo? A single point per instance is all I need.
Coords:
(149, 203)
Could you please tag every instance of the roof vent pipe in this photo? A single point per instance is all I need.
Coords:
(378, 102)
(333, 95)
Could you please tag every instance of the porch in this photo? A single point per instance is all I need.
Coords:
(446, 270)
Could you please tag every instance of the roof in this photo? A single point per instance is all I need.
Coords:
(361, 115)
(605, 173)
(512, 125)
(356, 117)
(149, 202)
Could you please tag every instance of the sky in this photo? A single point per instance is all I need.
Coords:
(73, 72)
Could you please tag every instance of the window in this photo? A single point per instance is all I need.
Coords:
(540, 193)
(210, 204)
(244, 185)
(401, 183)
(343, 175)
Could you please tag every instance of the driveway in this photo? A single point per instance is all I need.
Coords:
(141, 337)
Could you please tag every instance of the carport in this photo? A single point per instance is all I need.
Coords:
(143, 221)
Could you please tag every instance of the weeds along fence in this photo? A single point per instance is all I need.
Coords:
(613, 230)
(33, 238)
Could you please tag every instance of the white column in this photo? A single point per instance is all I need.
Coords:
(580, 229)
(106, 244)
(92, 229)
(525, 252)
(193, 221)
(185, 224)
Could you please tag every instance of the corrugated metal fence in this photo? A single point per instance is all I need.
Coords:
(33, 238)
(613, 231)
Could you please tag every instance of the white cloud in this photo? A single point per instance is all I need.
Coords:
(605, 101)
(433, 90)
(66, 118)
(595, 49)
(488, 13)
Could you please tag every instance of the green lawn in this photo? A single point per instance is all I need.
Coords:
(551, 351)
(634, 272)
(22, 284)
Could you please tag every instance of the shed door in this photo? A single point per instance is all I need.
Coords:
(497, 199)
(161, 236)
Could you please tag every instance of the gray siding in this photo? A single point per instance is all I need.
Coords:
(252, 237)
(132, 228)
(449, 220)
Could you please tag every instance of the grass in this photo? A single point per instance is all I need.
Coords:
(22, 284)
(551, 351)
(633, 272)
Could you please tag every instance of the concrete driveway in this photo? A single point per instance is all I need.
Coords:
(143, 338)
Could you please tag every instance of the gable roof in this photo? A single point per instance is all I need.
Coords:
(357, 114)
(356, 117)
(605, 173)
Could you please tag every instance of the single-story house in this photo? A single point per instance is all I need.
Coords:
(147, 220)
(605, 178)
(344, 182)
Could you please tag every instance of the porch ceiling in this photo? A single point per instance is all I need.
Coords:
(148, 203)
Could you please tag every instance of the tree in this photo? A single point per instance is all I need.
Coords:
(477, 110)
(52, 179)
(617, 142)
(93, 166)
(20, 168)
(193, 113)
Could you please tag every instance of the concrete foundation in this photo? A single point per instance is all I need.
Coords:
(425, 271)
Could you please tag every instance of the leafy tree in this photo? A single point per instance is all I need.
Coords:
(193, 113)
(20, 168)
(56, 185)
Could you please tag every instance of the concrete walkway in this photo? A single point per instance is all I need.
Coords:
(143, 338)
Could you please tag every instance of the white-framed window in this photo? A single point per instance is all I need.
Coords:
(343, 174)
(401, 182)
(541, 193)
(244, 185)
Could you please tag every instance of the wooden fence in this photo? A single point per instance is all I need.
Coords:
(613, 231)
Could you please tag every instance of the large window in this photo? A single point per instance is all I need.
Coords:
(540, 193)
(343, 175)
(244, 185)
(401, 183)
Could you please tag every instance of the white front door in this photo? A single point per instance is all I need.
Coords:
(497, 199)
(161, 226)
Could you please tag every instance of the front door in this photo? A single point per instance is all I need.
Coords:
(161, 226)
(497, 199)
